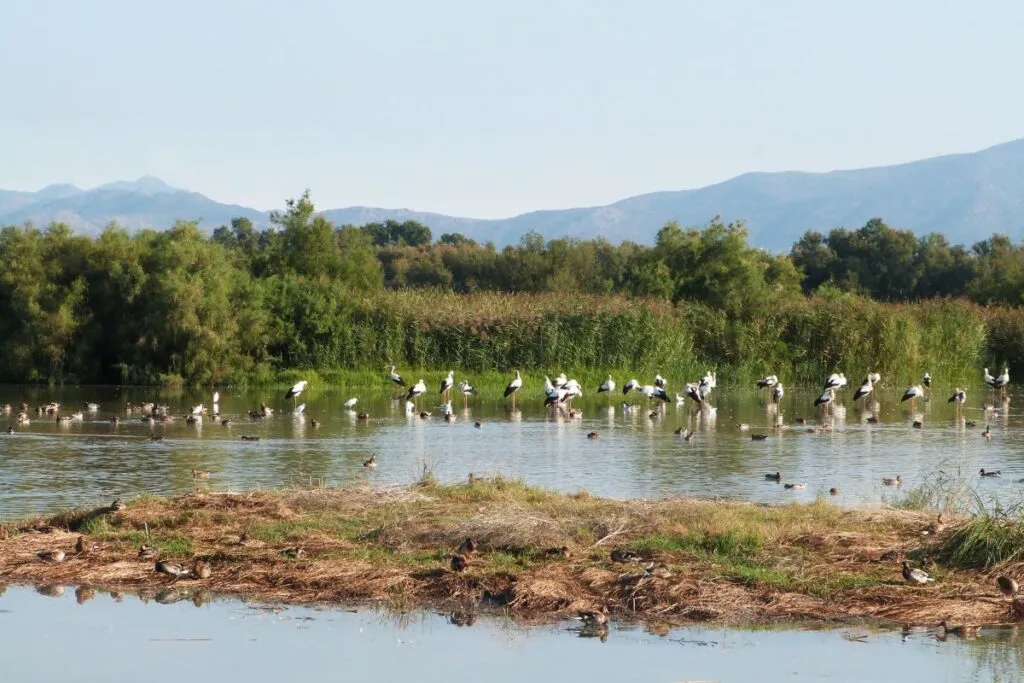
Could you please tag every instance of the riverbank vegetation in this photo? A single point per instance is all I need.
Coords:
(538, 554)
(245, 305)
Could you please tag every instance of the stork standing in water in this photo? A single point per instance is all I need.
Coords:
(396, 378)
(630, 386)
(467, 390)
(826, 398)
(864, 390)
(767, 382)
(516, 384)
(1002, 381)
(777, 392)
(297, 389)
(608, 387)
(927, 380)
(659, 381)
(415, 391)
(446, 385)
(835, 381)
(959, 397)
(912, 393)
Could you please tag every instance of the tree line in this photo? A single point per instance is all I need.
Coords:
(178, 305)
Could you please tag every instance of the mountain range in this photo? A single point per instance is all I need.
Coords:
(966, 196)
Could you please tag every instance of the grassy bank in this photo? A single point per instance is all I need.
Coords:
(713, 561)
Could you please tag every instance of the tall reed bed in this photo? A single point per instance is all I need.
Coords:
(800, 340)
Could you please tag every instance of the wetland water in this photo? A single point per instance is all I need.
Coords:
(103, 640)
(45, 466)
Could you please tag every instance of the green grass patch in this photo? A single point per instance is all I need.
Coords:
(297, 529)
(985, 541)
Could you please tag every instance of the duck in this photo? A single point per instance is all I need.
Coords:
(51, 556)
(892, 481)
(201, 570)
(989, 473)
(117, 505)
(914, 575)
(200, 474)
(594, 617)
(557, 552)
(593, 435)
(961, 630)
(834, 491)
(758, 437)
(293, 553)
(459, 563)
(371, 462)
(625, 555)
(792, 485)
(363, 416)
(934, 527)
(80, 547)
(246, 437)
(1007, 586)
(774, 477)
(467, 547)
(743, 427)
(172, 569)
(478, 424)
(658, 571)
(148, 552)
(987, 434)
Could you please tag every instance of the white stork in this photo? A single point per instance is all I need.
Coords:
(989, 379)
(959, 397)
(415, 391)
(912, 392)
(927, 380)
(826, 398)
(467, 390)
(777, 392)
(447, 383)
(767, 382)
(515, 385)
(875, 378)
(659, 381)
(652, 392)
(693, 391)
(864, 390)
(560, 381)
(608, 386)
(351, 403)
(1002, 380)
(198, 410)
(297, 389)
(835, 381)
(630, 386)
(396, 378)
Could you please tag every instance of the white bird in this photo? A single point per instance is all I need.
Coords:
(415, 390)
(864, 389)
(447, 383)
(767, 381)
(92, 407)
(989, 379)
(630, 386)
(826, 397)
(216, 397)
(959, 397)
(777, 392)
(1003, 379)
(659, 381)
(912, 393)
(296, 389)
(572, 390)
(560, 381)
(515, 385)
(609, 386)
(874, 377)
(693, 391)
(467, 390)
(396, 378)
(652, 392)
(351, 403)
(710, 380)
(198, 410)
(927, 380)
(835, 381)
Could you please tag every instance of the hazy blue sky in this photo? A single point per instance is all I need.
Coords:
(488, 109)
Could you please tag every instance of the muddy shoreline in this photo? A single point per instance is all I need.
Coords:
(539, 555)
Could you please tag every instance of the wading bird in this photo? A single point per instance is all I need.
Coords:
(516, 384)
(467, 390)
(835, 381)
(826, 398)
(415, 391)
(767, 382)
(296, 389)
(396, 378)
(959, 397)
(630, 386)
(777, 393)
(927, 380)
(914, 575)
(608, 386)
(446, 384)
(864, 390)
(351, 403)
(912, 393)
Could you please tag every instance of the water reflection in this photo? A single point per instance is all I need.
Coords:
(47, 465)
(127, 639)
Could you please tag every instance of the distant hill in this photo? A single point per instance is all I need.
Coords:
(965, 196)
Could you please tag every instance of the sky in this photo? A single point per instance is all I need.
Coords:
(489, 109)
